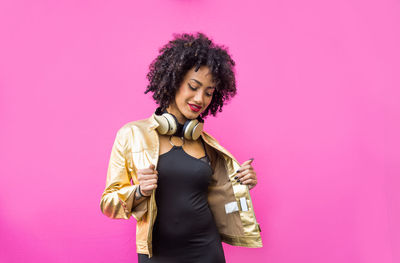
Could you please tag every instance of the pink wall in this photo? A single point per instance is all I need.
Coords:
(317, 106)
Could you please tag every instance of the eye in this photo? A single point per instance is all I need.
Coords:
(191, 87)
(207, 94)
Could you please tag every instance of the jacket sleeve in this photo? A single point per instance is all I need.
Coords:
(118, 198)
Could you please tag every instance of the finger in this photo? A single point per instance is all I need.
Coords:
(250, 182)
(149, 182)
(245, 167)
(150, 169)
(147, 171)
(246, 177)
(144, 177)
(149, 192)
(148, 188)
(147, 176)
(249, 161)
(241, 174)
(244, 170)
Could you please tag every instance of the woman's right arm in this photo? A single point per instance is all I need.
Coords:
(118, 199)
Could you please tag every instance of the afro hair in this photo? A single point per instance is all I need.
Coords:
(181, 54)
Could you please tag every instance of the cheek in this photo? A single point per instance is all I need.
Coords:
(180, 98)
(183, 95)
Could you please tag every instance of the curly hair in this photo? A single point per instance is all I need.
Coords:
(181, 54)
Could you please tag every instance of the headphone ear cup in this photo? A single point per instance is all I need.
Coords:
(186, 130)
(197, 130)
(192, 129)
(163, 128)
(172, 121)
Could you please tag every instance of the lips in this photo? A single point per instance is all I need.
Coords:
(194, 107)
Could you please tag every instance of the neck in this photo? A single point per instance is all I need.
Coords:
(179, 116)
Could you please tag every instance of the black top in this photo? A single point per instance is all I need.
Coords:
(184, 229)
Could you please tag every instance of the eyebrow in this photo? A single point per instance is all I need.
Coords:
(201, 84)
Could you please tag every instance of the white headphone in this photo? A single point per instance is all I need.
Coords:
(169, 125)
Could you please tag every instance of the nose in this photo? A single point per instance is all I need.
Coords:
(198, 98)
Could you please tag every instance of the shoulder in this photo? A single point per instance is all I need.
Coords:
(132, 127)
(208, 136)
(132, 136)
(141, 125)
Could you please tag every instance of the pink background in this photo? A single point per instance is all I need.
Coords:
(317, 106)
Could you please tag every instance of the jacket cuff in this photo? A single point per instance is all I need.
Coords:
(126, 196)
(136, 207)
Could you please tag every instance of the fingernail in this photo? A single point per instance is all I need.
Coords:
(238, 171)
(252, 158)
(238, 180)
(236, 177)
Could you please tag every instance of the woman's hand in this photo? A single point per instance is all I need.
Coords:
(246, 174)
(147, 180)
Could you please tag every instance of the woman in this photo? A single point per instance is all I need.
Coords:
(186, 191)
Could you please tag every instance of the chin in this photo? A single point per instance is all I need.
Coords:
(192, 115)
(189, 114)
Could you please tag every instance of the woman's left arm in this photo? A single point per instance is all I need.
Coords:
(246, 174)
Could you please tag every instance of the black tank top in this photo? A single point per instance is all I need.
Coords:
(184, 229)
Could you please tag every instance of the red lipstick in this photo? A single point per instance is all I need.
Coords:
(194, 107)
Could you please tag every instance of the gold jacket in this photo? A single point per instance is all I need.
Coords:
(136, 146)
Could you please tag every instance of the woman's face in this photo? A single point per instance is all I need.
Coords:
(193, 96)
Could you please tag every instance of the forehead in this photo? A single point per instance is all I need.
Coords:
(203, 74)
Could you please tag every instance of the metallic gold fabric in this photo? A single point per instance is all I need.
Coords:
(136, 146)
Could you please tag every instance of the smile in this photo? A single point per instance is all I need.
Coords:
(194, 108)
